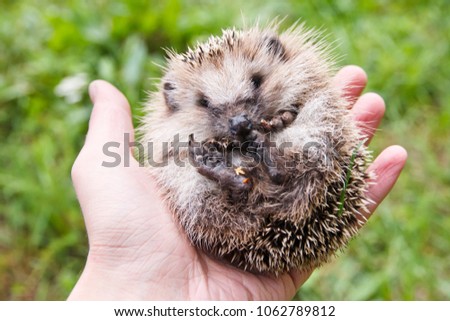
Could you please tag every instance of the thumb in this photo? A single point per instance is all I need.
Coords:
(111, 115)
(110, 122)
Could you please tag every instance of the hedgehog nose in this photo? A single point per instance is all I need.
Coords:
(240, 125)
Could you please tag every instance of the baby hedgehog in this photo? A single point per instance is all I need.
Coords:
(255, 150)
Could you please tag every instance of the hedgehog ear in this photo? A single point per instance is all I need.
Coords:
(275, 47)
(169, 89)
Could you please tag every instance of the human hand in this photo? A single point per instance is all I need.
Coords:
(137, 251)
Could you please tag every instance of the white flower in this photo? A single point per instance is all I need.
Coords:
(72, 87)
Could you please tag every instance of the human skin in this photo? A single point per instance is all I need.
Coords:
(136, 249)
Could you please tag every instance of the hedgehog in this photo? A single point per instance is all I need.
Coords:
(255, 151)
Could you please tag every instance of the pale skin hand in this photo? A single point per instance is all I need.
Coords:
(137, 252)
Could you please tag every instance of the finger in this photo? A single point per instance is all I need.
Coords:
(351, 80)
(300, 277)
(111, 115)
(386, 168)
(109, 123)
(368, 112)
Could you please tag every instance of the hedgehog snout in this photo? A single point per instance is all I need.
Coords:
(240, 125)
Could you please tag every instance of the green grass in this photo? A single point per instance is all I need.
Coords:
(403, 252)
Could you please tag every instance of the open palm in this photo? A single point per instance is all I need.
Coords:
(137, 251)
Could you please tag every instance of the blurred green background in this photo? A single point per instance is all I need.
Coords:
(50, 50)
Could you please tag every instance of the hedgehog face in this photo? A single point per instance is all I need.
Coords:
(234, 83)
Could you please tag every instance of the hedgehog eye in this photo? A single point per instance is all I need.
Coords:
(203, 101)
(256, 80)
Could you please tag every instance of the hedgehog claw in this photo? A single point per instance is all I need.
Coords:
(210, 161)
(195, 151)
(267, 154)
(278, 122)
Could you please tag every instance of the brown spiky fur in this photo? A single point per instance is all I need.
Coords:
(297, 224)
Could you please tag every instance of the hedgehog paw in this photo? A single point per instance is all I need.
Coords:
(279, 121)
(210, 161)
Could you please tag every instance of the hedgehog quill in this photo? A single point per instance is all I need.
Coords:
(272, 176)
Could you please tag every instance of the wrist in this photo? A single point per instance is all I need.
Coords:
(100, 283)
(119, 281)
